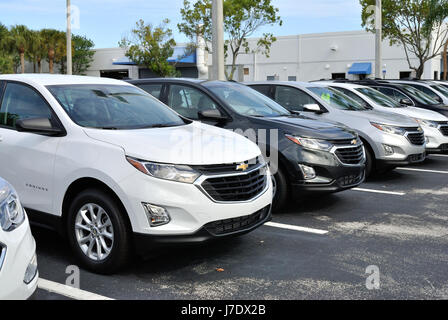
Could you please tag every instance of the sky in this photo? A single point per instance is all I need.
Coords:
(106, 22)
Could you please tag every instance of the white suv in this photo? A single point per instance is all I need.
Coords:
(18, 264)
(111, 167)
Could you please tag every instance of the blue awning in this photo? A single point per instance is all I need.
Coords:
(125, 61)
(179, 56)
(360, 68)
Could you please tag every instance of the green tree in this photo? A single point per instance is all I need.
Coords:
(55, 45)
(36, 50)
(438, 12)
(151, 47)
(82, 54)
(410, 24)
(242, 18)
(19, 36)
(6, 62)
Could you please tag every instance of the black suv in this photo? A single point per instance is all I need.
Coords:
(404, 94)
(312, 155)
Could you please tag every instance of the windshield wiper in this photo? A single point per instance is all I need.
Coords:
(161, 125)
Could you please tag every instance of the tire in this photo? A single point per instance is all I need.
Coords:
(280, 189)
(370, 161)
(112, 223)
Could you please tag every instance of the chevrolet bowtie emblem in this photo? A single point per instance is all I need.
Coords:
(354, 142)
(242, 166)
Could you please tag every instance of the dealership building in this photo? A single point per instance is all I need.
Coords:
(299, 57)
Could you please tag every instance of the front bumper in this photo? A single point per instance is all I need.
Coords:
(215, 230)
(331, 174)
(413, 158)
(187, 205)
(20, 249)
(341, 178)
(436, 141)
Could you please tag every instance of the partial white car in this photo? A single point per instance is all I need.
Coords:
(114, 169)
(18, 263)
(434, 124)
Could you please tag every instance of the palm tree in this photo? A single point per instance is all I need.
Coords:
(4, 35)
(36, 49)
(53, 40)
(18, 40)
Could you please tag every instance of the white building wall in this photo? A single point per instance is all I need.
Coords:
(317, 56)
(103, 61)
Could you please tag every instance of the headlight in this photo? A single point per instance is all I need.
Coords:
(427, 123)
(389, 129)
(314, 144)
(11, 211)
(179, 173)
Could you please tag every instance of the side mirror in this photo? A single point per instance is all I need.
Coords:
(312, 108)
(406, 102)
(39, 126)
(212, 114)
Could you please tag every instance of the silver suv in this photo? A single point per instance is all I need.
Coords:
(390, 140)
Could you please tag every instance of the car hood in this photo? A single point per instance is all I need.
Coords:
(309, 128)
(383, 117)
(193, 144)
(421, 113)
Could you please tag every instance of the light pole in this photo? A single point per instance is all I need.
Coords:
(218, 40)
(378, 39)
(69, 39)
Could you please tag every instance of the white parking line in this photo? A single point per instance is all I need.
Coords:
(423, 170)
(439, 155)
(380, 191)
(295, 228)
(68, 291)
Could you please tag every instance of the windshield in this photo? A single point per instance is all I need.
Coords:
(337, 99)
(379, 98)
(442, 89)
(418, 95)
(113, 107)
(246, 101)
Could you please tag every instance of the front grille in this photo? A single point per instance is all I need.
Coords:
(226, 168)
(444, 130)
(345, 142)
(350, 155)
(350, 180)
(242, 187)
(229, 226)
(2, 254)
(415, 137)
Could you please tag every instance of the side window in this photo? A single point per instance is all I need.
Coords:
(266, 90)
(153, 89)
(399, 96)
(352, 95)
(426, 90)
(387, 91)
(189, 101)
(21, 102)
(292, 98)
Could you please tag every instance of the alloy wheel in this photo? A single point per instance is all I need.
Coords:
(94, 232)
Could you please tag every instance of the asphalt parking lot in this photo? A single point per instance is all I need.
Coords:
(318, 248)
